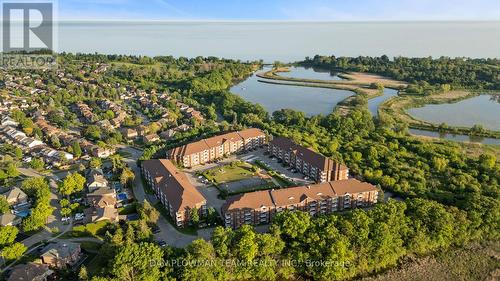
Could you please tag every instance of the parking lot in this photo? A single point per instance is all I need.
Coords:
(211, 193)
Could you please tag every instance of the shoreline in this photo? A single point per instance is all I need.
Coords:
(395, 107)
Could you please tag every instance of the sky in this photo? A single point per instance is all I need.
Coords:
(280, 10)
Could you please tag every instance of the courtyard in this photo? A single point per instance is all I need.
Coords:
(239, 176)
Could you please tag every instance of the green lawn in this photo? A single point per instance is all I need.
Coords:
(88, 230)
(128, 210)
(90, 246)
(233, 172)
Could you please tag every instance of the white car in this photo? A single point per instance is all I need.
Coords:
(65, 219)
(79, 216)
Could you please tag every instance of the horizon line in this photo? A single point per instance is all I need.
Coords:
(277, 21)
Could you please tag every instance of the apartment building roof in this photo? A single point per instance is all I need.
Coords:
(351, 186)
(307, 154)
(295, 195)
(181, 194)
(205, 144)
(251, 200)
(250, 133)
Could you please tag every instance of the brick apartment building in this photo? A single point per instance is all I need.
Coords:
(307, 161)
(259, 207)
(210, 149)
(173, 189)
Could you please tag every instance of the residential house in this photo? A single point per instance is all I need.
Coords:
(167, 134)
(102, 197)
(9, 219)
(151, 138)
(61, 254)
(129, 133)
(30, 272)
(7, 121)
(95, 180)
(108, 213)
(16, 196)
(142, 130)
(101, 152)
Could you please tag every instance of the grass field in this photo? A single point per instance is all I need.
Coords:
(89, 230)
(235, 171)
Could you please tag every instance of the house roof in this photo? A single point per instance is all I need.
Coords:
(151, 137)
(181, 194)
(106, 213)
(7, 218)
(96, 175)
(30, 271)
(60, 250)
(15, 194)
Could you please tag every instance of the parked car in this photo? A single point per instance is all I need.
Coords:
(162, 243)
(65, 219)
(79, 216)
(156, 229)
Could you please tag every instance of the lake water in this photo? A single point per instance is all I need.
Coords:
(284, 41)
(375, 102)
(310, 73)
(483, 110)
(314, 101)
(311, 101)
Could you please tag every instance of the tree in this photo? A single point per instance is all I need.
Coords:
(127, 177)
(92, 132)
(117, 162)
(36, 187)
(37, 164)
(195, 216)
(13, 251)
(4, 205)
(138, 261)
(77, 150)
(221, 240)
(71, 184)
(245, 244)
(7, 235)
(148, 212)
(95, 163)
(83, 274)
(487, 161)
(18, 152)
